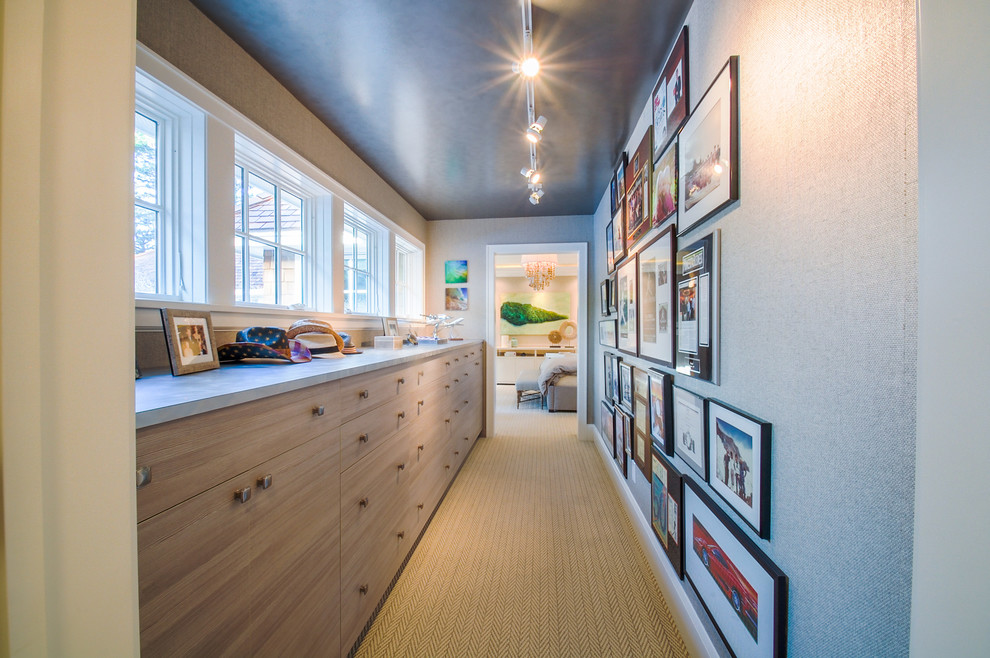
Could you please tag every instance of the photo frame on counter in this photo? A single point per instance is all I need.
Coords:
(192, 346)
(607, 333)
(638, 181)
(641, 417)
(625, 387)
(627, 308)
(390, 326)
(743, 591)
(690, 435)
(739, 463)
(609, 248)
(661, 400)
(698, 308)
(666, 496)
(670, 95)
(708, 152)
(665, 186)
(655, 267)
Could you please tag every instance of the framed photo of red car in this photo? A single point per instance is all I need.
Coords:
(627, 308)
(743, 591)
(739, 463)
(661, 412)
(708, 151)
(670, 96)
(655, 267)
(665, 509)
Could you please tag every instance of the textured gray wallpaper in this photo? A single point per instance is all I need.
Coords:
(819, 297)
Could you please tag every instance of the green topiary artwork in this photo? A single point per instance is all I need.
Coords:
(518, 314)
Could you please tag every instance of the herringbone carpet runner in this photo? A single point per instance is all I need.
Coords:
(530, 554)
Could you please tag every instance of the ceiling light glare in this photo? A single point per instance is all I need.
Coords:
(535, 178)
(535, 132)
(530, 67)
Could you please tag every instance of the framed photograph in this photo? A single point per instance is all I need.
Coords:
(661, 401)
(743, 591)
(610, 248)
(708, 158)
(666, 488)
(616, 393)
(627, 308)
(606, 288)
(613, 293)
(191, 344)
(624, 420)
(619, 447)
(620, 181)
(655, 268)
(641, 417)
(619, 234)
(607, 333)
(613, 189)
(455, 299)
(607, 375)
(665, 186)
(455, 271)
(625, 387)
(670, 96)
(698, 308)
(690, 438)
(391, 326)
(608, 425)
(739, 463)
(638, 181)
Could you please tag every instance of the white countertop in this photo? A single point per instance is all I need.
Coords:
(162, 398)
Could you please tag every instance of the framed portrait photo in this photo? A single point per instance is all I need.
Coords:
(625, 386)
(698, 308)
(627, 308)
(607, 333)
(670, 95)
(665, 186)
(739, 463)
(743, 591)
(665, 508)
(661, 401)
(690, 438)
(708, 158)
(191, 344)
(655, 267)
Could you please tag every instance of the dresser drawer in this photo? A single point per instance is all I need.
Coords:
(361, 393)
(362, 435)
(429, 371)
(188, 456)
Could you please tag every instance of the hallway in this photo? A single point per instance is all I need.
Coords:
(530, 554)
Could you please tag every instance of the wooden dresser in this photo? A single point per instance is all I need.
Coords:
(277, 526)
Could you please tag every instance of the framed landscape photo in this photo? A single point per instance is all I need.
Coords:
(665, 186)
(455, 299)
(191, 344)
(670, 96)
(625, 387)
(743, 591)
(739, 463)
(607, 333)
(609, 248)
(708, 159)
(655, 267)
(627, 308)
(665, 508)
(690, 438)
(641, 415)
(661, 401)
(698, 308)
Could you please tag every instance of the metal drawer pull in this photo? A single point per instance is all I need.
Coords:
(402, 380)
(143, 476)
(265, 482)
(364, 394)
(466, 438)
(243, 495)
(402, 467)
(363, 502)
(457, 381)
(363, 589)
(446, 420)
(448, 363)
(420, 403)
(447, 386)
(400, 535)
(319, 411)
(447, 466)
(363, 438)
(457, 452)
(402, 414)
(420, 447)
(420, 506)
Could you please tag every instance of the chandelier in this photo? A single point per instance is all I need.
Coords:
(540, 269)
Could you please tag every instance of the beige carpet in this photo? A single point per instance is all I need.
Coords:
(530, 554)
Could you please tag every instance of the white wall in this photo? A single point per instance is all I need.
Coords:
(67, 328)
(952, 509)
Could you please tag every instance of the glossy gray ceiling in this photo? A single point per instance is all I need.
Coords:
(423, 90)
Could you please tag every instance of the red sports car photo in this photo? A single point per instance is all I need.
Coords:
(740, 594)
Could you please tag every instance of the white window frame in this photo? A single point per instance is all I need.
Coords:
(377, 261)
(182, 190)
(409, 300)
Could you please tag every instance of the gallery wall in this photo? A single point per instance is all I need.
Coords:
(819, 298)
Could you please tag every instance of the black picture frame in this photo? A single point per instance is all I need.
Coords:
(656, 285)
(613, 294)
(625, 420)
(661, 401)
(613, 194)
(666, 506)
(620, 178)
(641, 416)
(608, 424)
(627, 308)
(739, 446)
(690, 429)
(609, 248)
(606, 290)
(638, 208)
(670, 98)
(698, 265)
(607, 333)
(743, 591)
(625, 387)
(708, 152)
(612, 377)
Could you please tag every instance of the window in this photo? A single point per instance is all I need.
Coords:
(408, 279)
(363, 239)
(269, 254)
(148, 209)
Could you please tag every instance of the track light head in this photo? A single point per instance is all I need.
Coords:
(528, 67)
(527, 171)
(535, 132)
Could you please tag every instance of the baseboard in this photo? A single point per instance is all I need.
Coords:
(696, 636)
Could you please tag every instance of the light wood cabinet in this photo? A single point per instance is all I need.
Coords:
(275, 527)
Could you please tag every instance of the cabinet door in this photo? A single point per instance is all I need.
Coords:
(194, 564)
(295, 534)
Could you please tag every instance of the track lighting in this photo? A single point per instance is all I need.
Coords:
(535, 132)
(532, 176)
(536, 195)
(528, 67)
